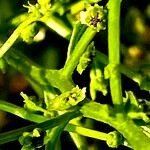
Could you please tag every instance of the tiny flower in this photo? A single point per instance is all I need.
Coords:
(94, 16)
(68, 99)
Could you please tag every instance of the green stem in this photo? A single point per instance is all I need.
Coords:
(54, 137)
(77, 32)
(15, 35)
(114, 52)
(78, 51)
(114, 31)
(57, 25)
(79, 140)
(21, 112)
(87, 132)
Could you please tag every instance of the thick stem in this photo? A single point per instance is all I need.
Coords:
(114, 52)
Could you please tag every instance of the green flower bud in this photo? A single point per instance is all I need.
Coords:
(32, 140)
(115, 139)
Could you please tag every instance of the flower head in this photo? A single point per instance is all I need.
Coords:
(94, 16)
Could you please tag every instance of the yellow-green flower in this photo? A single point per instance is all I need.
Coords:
(94, 16)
